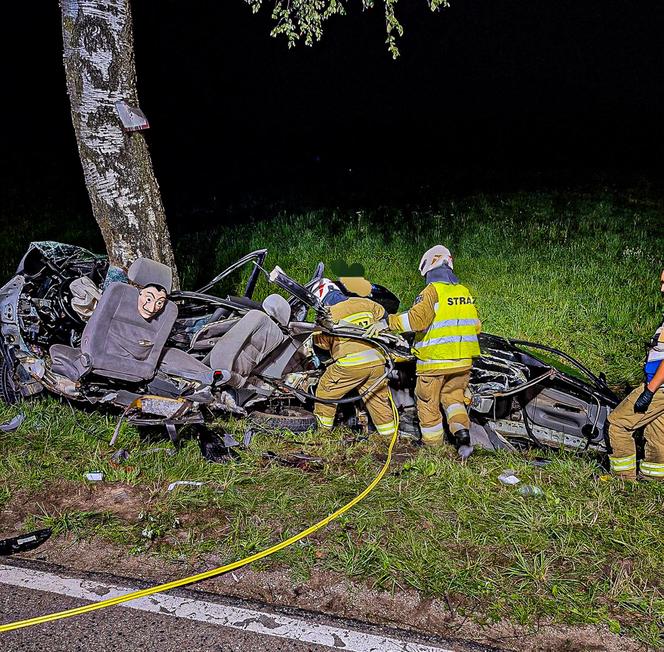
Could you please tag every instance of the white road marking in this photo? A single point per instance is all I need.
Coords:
(249, 620)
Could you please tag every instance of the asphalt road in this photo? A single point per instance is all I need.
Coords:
(181, 621)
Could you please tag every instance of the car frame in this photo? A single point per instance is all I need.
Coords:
(517, 399)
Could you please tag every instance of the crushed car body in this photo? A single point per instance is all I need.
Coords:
(208, 355)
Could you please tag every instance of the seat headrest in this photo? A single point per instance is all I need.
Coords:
(144, 271)
(278, 308)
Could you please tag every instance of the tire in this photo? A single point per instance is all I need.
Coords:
(295, 419)
(9, 394)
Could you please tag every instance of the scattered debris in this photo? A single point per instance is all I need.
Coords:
(248, 437)
(296, 460)
(120, 456)
(216, 449)
(465, 452)
(10, 426)
(507, 477)
(94, 476)
(24, 542)
(540, 462)
(230, 441)
(190, 483)
(166, 449)
(530, 490)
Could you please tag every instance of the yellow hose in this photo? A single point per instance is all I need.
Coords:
(222, 569)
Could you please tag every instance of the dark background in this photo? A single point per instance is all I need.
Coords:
(487, 96)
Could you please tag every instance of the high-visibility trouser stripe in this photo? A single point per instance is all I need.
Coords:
(325, 422)
(454, 409)
(432, 433)
(653, 469)
(426, 365)
(445, 340)
(360, 358)
(404, 322)
(453, 322)
(623, 463)
(385, 428)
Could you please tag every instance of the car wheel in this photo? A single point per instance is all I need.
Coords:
(295, 419)
(8, 392)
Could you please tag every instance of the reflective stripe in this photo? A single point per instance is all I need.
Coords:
(360, 358)
(451, 340)
(623, 463)
(428, 365)
(453, 322)
(405, 322)
(385, 428)
(454, 409)
(326, 422)
(445, 340)
(360, 318)
(432, 429)
(653, 469)
(455, 426)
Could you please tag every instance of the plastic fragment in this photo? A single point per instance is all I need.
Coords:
(94, 476)
(296, 460)
(120, 456)
(507, 477)
(230, 441)
(530, 490)
(540, 462)
(13, 424)
(248, 436)
(190, 483)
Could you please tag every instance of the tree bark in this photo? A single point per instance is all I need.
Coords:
(100, 71)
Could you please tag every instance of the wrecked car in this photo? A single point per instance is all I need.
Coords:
(212, 353)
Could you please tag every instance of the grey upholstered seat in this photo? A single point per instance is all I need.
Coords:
(246, 345)
(117, 341)
(175, 362)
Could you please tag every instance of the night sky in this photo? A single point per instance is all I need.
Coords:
(487, 94)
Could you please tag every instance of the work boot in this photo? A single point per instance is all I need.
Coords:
(462, 442)
(461, 438)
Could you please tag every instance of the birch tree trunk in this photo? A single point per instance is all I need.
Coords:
(100, 71)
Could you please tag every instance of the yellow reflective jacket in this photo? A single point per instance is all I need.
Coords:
(349, 352)
(445, 319)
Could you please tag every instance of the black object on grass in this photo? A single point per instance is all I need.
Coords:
(24, 542)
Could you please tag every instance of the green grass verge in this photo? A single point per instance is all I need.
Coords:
(588, 551)
(575, 272)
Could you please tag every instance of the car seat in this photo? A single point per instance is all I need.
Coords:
(117, 342)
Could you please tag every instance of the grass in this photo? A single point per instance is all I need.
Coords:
(575, 272)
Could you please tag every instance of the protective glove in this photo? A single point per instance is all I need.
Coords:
(643, 402)
(375, 329)
(465, 452)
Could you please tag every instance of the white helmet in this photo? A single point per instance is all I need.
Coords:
(435, 257)
(323, 287)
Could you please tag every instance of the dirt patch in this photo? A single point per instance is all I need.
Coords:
(122, 500)
(334, 594)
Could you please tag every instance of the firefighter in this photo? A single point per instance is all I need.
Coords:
(356, 364)
(643, 408)
(445, 320)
